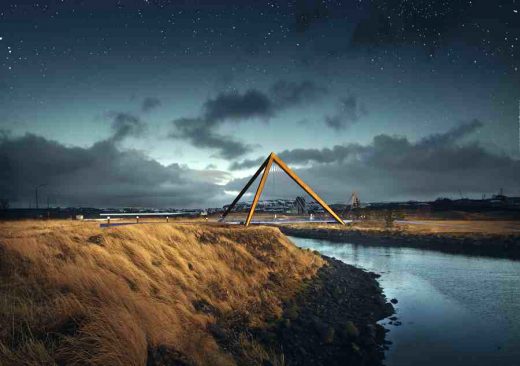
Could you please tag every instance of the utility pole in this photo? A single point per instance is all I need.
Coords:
(36, 193)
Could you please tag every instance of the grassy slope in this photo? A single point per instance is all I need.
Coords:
(74, 293)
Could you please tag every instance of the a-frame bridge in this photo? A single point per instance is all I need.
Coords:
(265, 167)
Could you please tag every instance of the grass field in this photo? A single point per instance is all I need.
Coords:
(73, 293)
(411, 225)
(418, 227)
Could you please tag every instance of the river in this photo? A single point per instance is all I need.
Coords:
(453, 309)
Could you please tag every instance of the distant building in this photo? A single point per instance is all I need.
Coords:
(300, 205)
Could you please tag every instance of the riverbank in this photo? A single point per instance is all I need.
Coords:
(333, 321)
(492, 244)
(452, 310)
(183, 294)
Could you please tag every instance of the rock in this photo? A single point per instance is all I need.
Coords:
(97, 239)
(380, 334)
(190, 266)
(388, 309)
(355, 348)
(275, 278)
(337, 292)
(165, 355)
(328, 336)
(217, 331)
(394, 301)
(351, 330)
(397, 323)
(319, 326)
(267, 336)
(302, 350)
(374, 275)
(371, 330)
(291, 312)
(203, 306)
(325, 331)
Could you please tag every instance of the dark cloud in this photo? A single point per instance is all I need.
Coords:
(239, 107)
(200, 133)
(246, 164)
(348, 112)
(126, 125)
(305, 156)
(322, 156)
(150, 103)
(236, 106)
(392, 167)
(453, 135)
(288, 93)
(101, 175)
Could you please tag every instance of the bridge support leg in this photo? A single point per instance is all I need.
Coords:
(244, 190)
(306, 188)
(259, 189)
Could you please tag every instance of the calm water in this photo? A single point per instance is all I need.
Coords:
(454, 309)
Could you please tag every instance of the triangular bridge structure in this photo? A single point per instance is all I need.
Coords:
(265, 167)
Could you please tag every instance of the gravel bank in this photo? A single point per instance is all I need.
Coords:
(332, 321)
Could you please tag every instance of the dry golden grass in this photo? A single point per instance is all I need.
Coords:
(418, 227)
(494, 227)
(72, 293)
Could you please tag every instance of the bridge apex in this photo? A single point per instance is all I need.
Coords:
(265, 167)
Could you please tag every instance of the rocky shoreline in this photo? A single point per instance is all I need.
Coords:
(500, 246)
(332, 321)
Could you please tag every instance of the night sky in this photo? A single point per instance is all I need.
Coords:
(175, 103)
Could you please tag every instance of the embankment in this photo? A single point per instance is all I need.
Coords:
(173, 294)
(492, 245)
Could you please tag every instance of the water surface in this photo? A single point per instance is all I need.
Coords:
(454, 309)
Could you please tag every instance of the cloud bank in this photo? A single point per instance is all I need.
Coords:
(392, 167)
(101, 175)
(387, 168)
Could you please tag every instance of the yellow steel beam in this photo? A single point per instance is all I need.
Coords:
(259, 189)
(246, 187)
(266, 166)
(304, 186)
